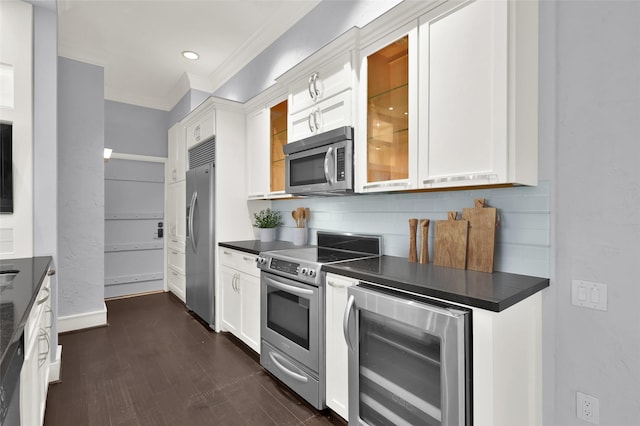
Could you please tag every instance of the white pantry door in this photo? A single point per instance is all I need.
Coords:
(134, 208)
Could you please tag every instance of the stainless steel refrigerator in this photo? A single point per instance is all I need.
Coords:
(200, 239)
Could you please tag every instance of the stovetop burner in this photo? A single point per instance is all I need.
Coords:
(305, 263)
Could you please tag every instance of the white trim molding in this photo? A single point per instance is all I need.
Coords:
(82, 321)
(54, 368)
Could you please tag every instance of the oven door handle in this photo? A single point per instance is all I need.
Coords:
(277, 359)
(302, 292)
(345, 321)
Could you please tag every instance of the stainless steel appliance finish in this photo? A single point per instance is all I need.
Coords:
(292, 309)
(409, 359)
(321, 164)
(200, 238)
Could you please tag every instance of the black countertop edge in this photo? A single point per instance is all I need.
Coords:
(257, 246)
(43, 263)
(490, 291)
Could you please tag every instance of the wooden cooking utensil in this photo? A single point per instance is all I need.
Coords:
(482, 235)
(424, 241)
(413, 227)
(451, 242)
(294, 215)
(307, 216)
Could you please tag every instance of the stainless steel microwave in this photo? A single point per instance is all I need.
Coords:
(320, 164)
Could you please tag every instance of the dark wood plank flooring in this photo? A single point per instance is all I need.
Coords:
(156, 365)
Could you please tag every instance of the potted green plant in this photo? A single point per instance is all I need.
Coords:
(267, 220)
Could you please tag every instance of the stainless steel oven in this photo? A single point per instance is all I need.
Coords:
(291, 334)
(409, 359)
(320, 164)
(292, 309)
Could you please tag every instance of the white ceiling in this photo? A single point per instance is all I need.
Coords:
(139, 42)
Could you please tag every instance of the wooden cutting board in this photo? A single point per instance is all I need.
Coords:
(482, 236)
(451, 242)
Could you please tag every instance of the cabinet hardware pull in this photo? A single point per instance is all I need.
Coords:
(317, 118)
(249, 259)
(42, 356)
(315, 84)
(51, 272)
(227, 252)
(309, 122)
(334, 285)
(44, 298)
(311, 93)
(174, 252)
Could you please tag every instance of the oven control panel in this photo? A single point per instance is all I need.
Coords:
(285, 266)
(296, 270)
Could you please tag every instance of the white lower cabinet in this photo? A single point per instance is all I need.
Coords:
(240, 291)
(337, 377)
(34, 377)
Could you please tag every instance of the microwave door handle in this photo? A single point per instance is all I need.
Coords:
(345, 321)
(327, 158)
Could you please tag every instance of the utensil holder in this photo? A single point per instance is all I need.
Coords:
(299, 236)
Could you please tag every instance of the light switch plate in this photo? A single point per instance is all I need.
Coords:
(589, 295)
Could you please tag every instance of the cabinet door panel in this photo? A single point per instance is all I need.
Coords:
(258, 153)
(250, 306)
(176, 283)
(230, 300)
(388, 104)
(327, 115)
(324, 83)
(464, 101)
(336, 348)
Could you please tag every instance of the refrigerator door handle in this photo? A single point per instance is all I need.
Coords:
(191, 209)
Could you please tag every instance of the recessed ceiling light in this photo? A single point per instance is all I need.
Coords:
(190, 55)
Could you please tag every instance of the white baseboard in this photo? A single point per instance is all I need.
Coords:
(54, 368)
(81, 321)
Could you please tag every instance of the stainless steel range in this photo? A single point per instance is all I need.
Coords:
(292, 314)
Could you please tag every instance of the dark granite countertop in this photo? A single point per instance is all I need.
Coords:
(492, 291)
(16, 300)
(257, 246)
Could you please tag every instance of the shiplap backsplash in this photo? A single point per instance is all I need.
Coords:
(522, 239)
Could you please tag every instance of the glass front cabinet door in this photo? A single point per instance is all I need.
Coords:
(388, 105)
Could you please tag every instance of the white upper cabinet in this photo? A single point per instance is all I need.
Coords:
(321, 89)
(266, 135)
(321, 100)
(478, 94)
(258, 154)
(176, 163)
(200, 125)
(387, 131)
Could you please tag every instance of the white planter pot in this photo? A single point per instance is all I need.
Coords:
(267, 234)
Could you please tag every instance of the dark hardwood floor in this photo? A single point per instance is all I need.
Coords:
(156, 365)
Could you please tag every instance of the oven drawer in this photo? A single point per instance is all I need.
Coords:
(292, 374)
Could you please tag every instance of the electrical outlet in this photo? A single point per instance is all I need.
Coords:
(588, 408)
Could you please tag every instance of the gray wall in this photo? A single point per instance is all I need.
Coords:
(134, 129)
(80, 187)
(185, 105)
(324, 23)
(45, 141)
(598, 200)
